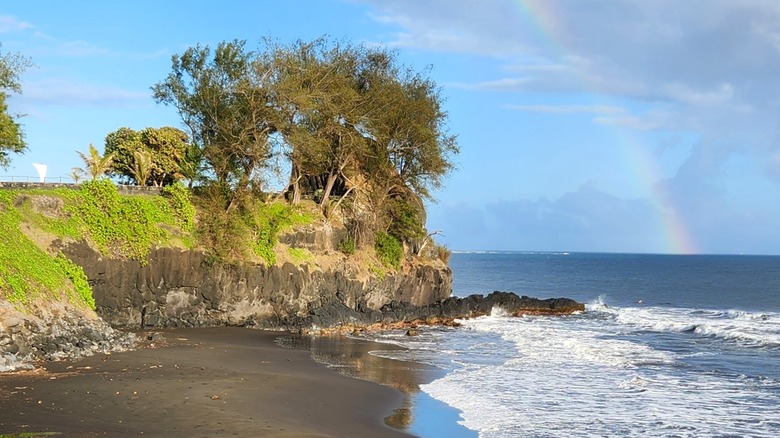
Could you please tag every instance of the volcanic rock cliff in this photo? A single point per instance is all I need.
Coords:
(181, 288)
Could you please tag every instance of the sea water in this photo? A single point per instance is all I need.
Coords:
(668, 345)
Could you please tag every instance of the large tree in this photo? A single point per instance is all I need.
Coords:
(316, 90)
(164, 154)
(11, 134)
(222, 99)
(348, 118)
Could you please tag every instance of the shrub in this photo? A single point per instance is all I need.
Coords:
(181, 203)
(406, 220)
(347, 246)
(388, 249)
(78, 278)
(443, 253)
(268, 221)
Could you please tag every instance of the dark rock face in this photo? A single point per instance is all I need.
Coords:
(180, 288)
(56, 332)
(335, 315)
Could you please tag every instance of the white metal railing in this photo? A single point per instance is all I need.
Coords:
(36, 179)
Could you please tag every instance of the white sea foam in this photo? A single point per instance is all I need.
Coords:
(749, 329)
(581, 377)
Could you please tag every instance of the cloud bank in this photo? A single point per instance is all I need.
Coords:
(706, 68)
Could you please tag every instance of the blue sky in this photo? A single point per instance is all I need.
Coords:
(621, 126)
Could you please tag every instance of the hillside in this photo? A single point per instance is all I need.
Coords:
(148, 260)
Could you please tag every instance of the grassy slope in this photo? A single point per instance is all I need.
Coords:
(128, 227)
(119, 226)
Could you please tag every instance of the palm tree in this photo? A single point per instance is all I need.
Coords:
(76, 173)
(142, 166)
(95, 165)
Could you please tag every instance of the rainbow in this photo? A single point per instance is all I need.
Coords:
(543, 20)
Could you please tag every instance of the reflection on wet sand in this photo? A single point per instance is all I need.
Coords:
(351, 357)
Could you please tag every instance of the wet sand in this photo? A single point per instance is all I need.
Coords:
(419, 414)
(198, 383)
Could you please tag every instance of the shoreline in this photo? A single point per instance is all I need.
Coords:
(223, 381)
(419, 414)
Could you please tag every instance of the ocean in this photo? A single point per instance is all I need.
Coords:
(669, 346)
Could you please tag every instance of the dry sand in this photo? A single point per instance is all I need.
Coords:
(197, 383)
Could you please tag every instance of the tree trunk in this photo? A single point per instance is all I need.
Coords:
(295, 178)
(241, 186)
(328, 188)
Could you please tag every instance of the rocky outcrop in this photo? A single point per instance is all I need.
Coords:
(401, 314)
(181, 288)
(55, 331)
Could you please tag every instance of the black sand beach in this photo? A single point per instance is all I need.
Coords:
(199, 382)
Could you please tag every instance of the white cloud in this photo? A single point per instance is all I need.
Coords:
(506, 84)
(584, 220)
(12, 24)
(67, 93)
(605, 114)
(685, 94)
(74, 48)
(685, 53)
(628, 121)
(565, 109)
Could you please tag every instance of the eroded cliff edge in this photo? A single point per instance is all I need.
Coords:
(181, 288)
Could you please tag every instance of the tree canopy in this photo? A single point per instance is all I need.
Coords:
(151, 156)
(11, 134)
(344, 118)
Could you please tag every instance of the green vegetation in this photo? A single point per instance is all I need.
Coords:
(248, 232)
(152, 156)
(181, 205)
(347, 120)
(76, 276)
(362, 136)
(379, 271)
(11, 134)
(95, 165)
(127, 226)
(347, 246)
(388, 249)
(118, 226)
(27, 273)
(301, 255)
(443, 253)
(266, 223)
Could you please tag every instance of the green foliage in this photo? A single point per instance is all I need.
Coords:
(345, 118)
(158, 156)
(27, 273)
(267, 220)
(221, 95)
(238, 235)
(406, 222)
(301, 255)
(181, 205)
(128, 226)
(95, 165)
(65, 225)
(76, 275)
(11, 134)
(125, 226)
(379, 271)
(347, 246)
(388, 249)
